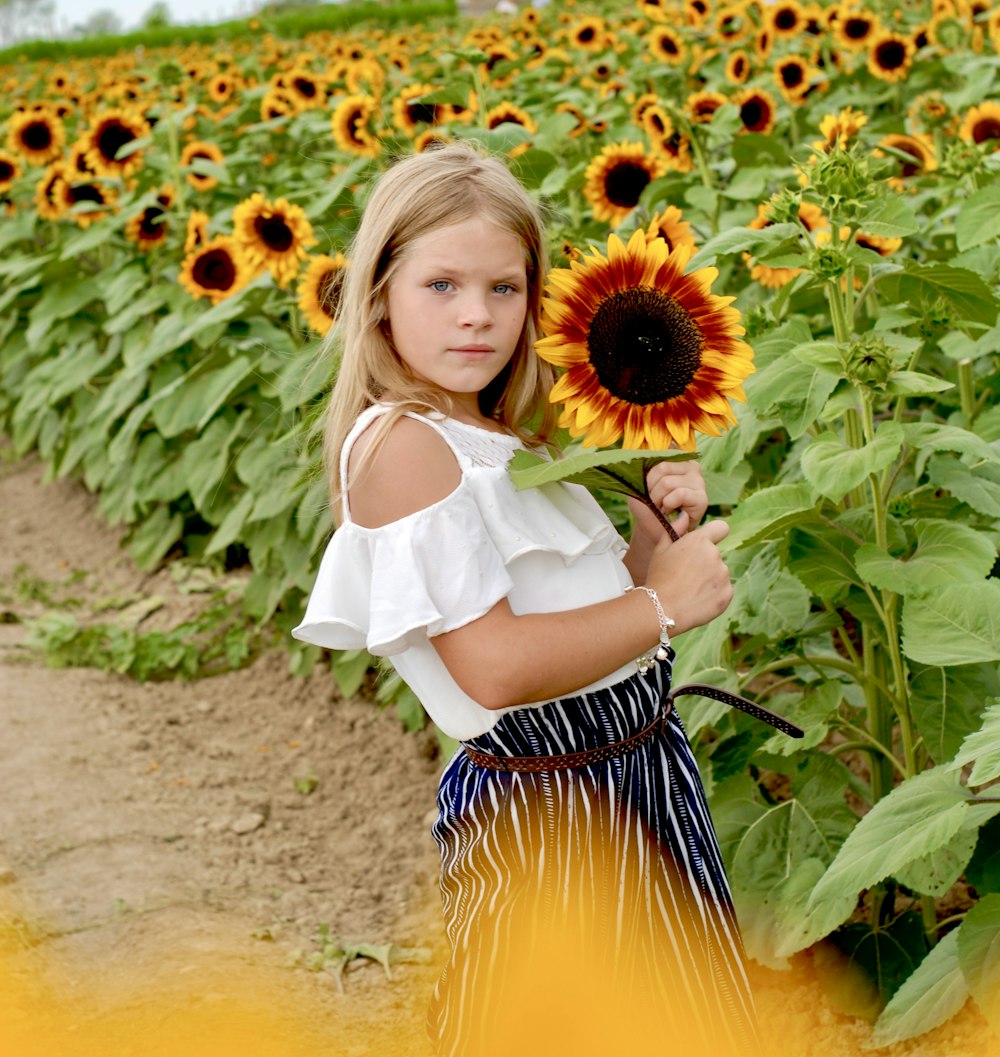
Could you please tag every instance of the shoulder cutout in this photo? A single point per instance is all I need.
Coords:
(413, 468)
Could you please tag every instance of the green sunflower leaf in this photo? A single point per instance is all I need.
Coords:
(833, 468)
(978, 220)
(613, 471)
(953, 624)
(738, 240)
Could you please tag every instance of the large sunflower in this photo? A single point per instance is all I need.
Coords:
(617, 177)
(981, 124)
(273, 235)
(110, 131)
(351, 126)
(215, 270)
(37, 135)
(319, 291)
(650, 353)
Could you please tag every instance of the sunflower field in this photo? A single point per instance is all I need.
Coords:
(174, 229)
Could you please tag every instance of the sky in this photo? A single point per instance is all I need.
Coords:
(131, 12)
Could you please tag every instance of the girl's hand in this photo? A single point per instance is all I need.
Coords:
(691, 577)
(673, 486)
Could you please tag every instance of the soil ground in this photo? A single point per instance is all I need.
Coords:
(164, 867)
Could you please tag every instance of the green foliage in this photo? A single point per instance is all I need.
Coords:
(218, 639)
(333, 954)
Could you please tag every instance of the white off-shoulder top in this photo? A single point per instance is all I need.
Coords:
(391, 589)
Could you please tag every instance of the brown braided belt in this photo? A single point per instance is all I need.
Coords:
(619, 748)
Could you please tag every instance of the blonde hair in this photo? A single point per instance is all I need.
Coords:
(419, 194)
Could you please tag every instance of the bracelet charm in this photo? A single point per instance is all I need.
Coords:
(660, 653)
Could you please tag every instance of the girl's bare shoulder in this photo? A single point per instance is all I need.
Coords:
(410, 469)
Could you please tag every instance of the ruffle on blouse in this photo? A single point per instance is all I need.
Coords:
(385, 589)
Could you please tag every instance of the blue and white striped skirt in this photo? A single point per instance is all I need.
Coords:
(588, 900)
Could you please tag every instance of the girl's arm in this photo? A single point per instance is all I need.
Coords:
(503, 659)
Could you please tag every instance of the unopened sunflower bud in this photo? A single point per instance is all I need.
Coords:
(828, 262)
(868, 361)
(936, 318)
(784, 207)
(843, 178)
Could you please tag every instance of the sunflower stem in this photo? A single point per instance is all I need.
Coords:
(699, 157)
(661, 517)
(967, 390)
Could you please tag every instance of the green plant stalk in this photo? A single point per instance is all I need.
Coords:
(699, 158)
(173, 149)
(967, 391)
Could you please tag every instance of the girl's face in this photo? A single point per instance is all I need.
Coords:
(457, 302)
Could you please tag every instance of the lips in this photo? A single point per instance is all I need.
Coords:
(473, 348)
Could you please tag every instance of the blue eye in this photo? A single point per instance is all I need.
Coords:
(505, 288)
(441, 286)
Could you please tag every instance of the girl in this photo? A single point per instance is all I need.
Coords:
(572, 823)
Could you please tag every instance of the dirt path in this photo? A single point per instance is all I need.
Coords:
(148, 832)
(164, 866)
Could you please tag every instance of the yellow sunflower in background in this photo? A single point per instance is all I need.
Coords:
(981, 124)
(509, 114)
(110, 130)
(574, 111)
(409, 112)
(812, 219)
(38, 136)
(84, 201)
(671, 226)
(667, 45)
(640, 105)
(46, 201)
(738, 68)
(429, 139)
(856, 28)
(10, 170)
(197, 230)
(650, 354)
(277, 103)
(880, 244)
(307, 89)
(589, 34)
(273, 235)
(890, 56)
(792, 75)
(839, 129)
(200, 150)
(701, 106)
(215, 270)
(351, 126)
(150, 228)
(615, 179)
(787, 19)
(319, 291)
(918, 151)
(656, 122)
(757, 110)
(732, 24)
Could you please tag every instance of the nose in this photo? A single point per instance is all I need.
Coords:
(475, 312)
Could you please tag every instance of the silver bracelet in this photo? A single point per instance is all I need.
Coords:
(660, 653)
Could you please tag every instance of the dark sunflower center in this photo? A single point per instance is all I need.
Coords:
(421, 113)
(890, 55)
(668, 44)
(914, 167)
(274, 232)
(37, 136)
(6, 171)
(644, 346)
(786, 18)
(328, 291)
(150, 225)
(791, 75)
(214, 270)
(753, 114)
(986, 128)
(586, 35)
(112, 138)
(505, 119)
(305, 87)
(625, 183)
(85, 193)
(857, 28)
